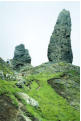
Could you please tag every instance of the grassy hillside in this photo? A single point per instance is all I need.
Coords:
(54, 86)
(53, 107)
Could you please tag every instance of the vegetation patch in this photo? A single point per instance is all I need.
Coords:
(53, 107)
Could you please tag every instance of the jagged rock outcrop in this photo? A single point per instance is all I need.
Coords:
(21, 56)
(59, 48)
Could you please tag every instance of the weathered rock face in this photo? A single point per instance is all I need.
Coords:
(7, 110)
(21, 56)
(59, 48)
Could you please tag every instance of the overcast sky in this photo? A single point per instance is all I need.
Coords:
(32, 24)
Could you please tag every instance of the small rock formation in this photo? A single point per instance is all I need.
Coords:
(20, 84)
(28, 99)
(1, 74)
(21, 56)
(59, 48)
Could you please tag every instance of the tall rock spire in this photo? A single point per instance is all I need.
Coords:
(59, 48)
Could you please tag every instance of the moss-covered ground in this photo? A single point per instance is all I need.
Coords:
(52, 106)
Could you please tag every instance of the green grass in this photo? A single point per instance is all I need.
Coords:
(9, 89)
(52, 106)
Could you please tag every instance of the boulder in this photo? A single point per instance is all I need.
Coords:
(28, 99)
(59, 48)
(20, 84)
(1, 74)
(21, 56)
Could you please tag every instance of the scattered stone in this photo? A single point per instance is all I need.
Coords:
(59, 48)
(10, 77)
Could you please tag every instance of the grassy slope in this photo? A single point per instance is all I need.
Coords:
(9, 89)
(52, 106)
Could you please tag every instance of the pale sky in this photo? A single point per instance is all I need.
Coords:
(32, 24)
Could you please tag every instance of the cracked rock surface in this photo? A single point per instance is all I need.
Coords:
(59, 48)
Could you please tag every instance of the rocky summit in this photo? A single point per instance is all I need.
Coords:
(21, 56)
(59, 48)
(48, 92)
